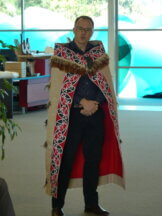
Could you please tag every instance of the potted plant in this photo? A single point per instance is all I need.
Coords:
(17, 46)
(7, 126)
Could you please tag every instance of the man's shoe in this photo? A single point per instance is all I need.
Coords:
(57, 212)
(97, 210)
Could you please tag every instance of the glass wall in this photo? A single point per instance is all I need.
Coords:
(10, 14)
(46, 22)
(56, 20)
(10, 20)
(140, 14)
(140, 65)
(39, 40)
(60, 14)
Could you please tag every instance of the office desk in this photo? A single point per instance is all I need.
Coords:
(39, 63)
(32, 91)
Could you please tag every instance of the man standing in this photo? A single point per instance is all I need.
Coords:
(83, 137)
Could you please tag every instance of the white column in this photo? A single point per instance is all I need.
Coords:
(113, 40)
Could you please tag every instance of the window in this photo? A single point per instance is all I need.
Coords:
(140, 65)
(46, 22)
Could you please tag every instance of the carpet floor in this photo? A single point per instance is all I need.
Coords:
(24, 168)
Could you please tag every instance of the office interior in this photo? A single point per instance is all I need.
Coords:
(131, 32)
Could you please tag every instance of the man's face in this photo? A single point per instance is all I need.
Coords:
(83, 30)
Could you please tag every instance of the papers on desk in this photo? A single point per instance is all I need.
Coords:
(41, 54)
(19, 67)
(8, 74)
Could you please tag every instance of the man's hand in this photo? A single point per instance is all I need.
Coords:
(89, 107)
(86, 113)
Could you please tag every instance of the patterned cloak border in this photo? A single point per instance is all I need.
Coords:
(66, 70)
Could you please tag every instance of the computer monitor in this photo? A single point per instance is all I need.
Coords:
(9, 54)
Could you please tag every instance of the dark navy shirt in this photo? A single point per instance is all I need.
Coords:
(85, 88)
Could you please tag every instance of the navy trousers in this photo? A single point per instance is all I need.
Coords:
(88, 130)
